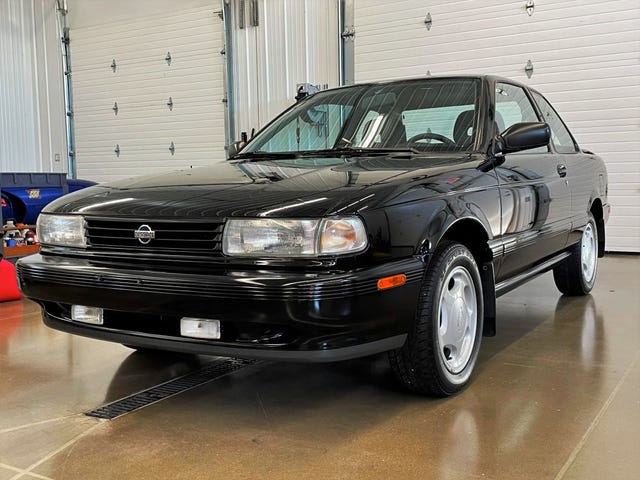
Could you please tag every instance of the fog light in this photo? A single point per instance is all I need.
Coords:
(81, 313)
(200, 328)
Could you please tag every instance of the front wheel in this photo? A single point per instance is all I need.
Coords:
(442, 348)
(577, 274)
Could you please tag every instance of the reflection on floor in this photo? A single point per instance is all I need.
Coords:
(556, 395)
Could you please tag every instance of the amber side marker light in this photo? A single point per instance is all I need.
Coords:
(393, 281)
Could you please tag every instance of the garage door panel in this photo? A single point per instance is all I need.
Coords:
(629, 242)
(601, 115)
(157, 93)
(151, 153)
(626, 183)
(140, 132)
(91, 120)
(614, 167)
(160, 139)
(625, 213)
(160, 28)
(147, 55)
(607, 91)
(605, 71)
(130, 80)
(586, 87)
(630, 149)
(628, 232)
(452, 35)
(598, 105)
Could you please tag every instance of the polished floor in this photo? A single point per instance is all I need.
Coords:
(556, 395)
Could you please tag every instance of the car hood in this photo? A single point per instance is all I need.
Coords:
(297, 187)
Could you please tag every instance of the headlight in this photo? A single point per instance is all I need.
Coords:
(293, 238)
(62, 230)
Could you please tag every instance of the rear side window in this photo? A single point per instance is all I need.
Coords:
(560, 135)
(513, 106)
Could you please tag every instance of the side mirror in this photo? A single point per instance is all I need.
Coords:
(522, 136)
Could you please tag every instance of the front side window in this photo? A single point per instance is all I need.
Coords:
(429, 115)
(560, 136)
(513, 106)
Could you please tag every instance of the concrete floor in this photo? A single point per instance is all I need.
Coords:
(556, 395)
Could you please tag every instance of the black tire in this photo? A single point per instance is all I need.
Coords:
(421, 364)
(576, 275)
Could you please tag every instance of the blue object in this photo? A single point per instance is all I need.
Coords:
(30, 201)
(75, 184)
(7, 207)
(24, 195)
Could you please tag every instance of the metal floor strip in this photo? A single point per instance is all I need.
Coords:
(168, 389)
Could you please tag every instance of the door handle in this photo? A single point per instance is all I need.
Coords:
(562, 170)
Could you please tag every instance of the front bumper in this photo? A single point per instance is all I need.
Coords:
(322, 316)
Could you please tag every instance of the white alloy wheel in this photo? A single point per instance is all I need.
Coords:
(576, 275)
(442, 346)
(589, 253)
(458, 320)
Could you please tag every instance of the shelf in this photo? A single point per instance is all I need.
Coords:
(11, 229)
(20, 251)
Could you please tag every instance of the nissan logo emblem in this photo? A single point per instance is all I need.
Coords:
(144, 234)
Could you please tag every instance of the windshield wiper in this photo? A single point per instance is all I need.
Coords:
(360, 151)
(260, 155)
(328, 152)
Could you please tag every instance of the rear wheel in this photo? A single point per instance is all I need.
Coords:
(577, 274)
(441, 350)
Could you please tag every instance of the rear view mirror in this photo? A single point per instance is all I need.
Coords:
(235, 147)
(523, 136)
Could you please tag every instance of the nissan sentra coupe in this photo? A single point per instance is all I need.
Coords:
(383, 217)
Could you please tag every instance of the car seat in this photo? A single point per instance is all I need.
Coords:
(463, 129)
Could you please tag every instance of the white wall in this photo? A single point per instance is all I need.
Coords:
(32, 116)
(295, 42)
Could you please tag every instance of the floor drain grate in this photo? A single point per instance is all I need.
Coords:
(168, 389)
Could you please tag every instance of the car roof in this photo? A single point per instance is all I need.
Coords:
(481, 77)
(490, 78)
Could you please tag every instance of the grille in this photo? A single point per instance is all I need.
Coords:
(171, 237)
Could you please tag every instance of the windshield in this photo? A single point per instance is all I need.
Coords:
(430, 115)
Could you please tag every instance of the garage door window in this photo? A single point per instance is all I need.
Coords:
(560, 136)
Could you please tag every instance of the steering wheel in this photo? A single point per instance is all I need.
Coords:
(432, 136)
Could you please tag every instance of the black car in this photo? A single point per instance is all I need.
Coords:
(364, 219)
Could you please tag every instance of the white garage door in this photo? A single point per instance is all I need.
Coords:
(584, 56)
(148, 94)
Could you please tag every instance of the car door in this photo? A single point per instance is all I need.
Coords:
(535, 196)
(580, 168)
